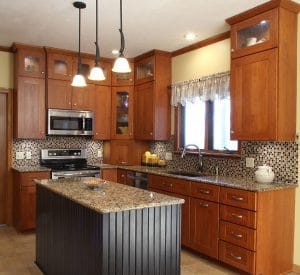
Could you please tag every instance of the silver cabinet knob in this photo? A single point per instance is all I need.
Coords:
(151, 134)
(75, 104)
(232, 50)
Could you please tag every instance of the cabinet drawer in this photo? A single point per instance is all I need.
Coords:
(238, 215)
(239, 235)
(27, 179)
(205, 191)
(236, 256)
(237, 197)
(169, 184)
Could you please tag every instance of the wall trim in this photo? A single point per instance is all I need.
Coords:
(296, 268)
(203, 43)
(6, 49)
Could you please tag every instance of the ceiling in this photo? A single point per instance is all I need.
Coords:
(155, 24)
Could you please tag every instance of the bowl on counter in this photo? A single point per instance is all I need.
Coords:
(94, 183)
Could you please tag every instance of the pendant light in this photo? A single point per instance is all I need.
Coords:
(79, 80)
(121, 64)
(97, 72)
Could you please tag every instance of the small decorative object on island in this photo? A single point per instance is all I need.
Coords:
(264, 174)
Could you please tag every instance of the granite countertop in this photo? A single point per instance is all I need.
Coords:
(37, 168)
(233, 182)
(112, 197)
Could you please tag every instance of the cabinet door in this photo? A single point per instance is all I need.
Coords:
(31, 62)
(145, 70)
(102, 112)
(83, 98)
(122, 113)
(122, 176)
(59, 94)
(204, 226)
(143, 117)
(254, 96)
(30, 115)
(59, 66)
(120, 152)
(123, 79)
(27, 208)
(110, 174)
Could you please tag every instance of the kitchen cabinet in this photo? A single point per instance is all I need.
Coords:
(123, 79)
(24, 198)
(110, 174)
(124, 152)
(59, 94)
(29, 108)
(122, 176)
(83, 98)
(152, 98)
(263, 73)
(102, 112)
(122, 113)
(29, 61)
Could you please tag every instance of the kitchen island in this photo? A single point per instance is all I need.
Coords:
(116, 229)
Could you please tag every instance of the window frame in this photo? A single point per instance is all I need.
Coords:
(208, 140)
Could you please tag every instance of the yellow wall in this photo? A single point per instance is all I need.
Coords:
(216, 58)
(6, 70)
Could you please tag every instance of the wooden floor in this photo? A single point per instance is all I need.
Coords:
(17, 254)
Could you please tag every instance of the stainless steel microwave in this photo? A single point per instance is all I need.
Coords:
(70, 122)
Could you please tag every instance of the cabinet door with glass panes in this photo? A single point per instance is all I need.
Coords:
(59, 66)
(145, 70)
(255, 34)
(123, 79)
(30, 61)
(122, 112)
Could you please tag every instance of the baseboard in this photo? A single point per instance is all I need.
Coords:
(296, 268)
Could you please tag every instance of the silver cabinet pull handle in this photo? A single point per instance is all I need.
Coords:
(204, 191)
(237, 198)
(235, 257)
(203, 204)
(236, 215)
(123, 162)
(236, 235)
(167, 184)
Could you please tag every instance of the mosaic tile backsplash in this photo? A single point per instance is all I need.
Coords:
(35, 146)
(281, 156)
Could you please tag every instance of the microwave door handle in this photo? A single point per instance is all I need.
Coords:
(83, 124)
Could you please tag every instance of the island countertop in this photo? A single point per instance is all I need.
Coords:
(111, 197)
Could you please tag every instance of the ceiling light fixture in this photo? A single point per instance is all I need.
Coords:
(79, 80)
(97, 72)
(121, 64)
(190, 36)
(115, 52)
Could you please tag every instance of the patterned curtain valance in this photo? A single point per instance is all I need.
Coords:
(205, 88)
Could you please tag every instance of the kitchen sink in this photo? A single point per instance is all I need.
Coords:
(186, 174)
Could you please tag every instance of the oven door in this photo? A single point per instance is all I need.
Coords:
(75, 174)
(69, 122)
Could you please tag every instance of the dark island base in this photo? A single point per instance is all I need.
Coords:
(73, 239)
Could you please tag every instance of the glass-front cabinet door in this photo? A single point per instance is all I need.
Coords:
(123, 79)
(255, 34)
(31, 62)
(122, 113)
(59, 66)
(145, 70)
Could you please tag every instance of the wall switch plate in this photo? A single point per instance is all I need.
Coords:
(20, 155)
(250, 162)
(168, 156)
(99, 153)
(28, 155)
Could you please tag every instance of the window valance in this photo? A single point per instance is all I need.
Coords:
(205, 88)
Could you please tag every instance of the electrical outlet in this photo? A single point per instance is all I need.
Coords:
(28, 155)
(20, 155)
(250, 162)
(168, 156)
(99, 153)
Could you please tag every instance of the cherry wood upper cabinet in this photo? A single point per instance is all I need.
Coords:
(263, 72)
(83, 99)
(102, 112)
(152, 97)
(59, 94)
(29, 61)
(123, 79)
(122, 112)
(29, 108)
(59, 64)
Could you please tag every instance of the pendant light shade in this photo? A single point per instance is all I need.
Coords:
(79, 80)
(121, 64)
(97, 73)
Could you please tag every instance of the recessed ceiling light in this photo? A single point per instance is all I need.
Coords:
(190, 36)
(115, 52)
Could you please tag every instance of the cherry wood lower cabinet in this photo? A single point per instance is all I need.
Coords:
(25, 197)
(110, 174)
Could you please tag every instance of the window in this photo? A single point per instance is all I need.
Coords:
(206, 124)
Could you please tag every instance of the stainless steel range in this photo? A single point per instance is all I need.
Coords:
(68, 163)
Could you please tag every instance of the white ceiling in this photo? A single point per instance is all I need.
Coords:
(154, 24)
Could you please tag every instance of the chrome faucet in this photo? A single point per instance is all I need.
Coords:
(199, 154)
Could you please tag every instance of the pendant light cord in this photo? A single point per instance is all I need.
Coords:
(121, 31)
(79, 57)
(96, 43)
